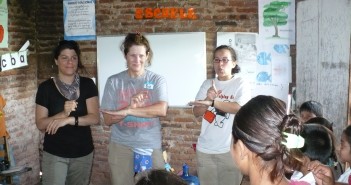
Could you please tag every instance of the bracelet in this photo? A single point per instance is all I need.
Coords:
(212, 105)
(76, 121)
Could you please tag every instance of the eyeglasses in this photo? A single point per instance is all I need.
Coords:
(224, 60)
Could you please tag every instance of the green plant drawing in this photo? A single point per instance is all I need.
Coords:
(274, 15)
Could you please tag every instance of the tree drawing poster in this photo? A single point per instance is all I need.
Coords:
(277, 19)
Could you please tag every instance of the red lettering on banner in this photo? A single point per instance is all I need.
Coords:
(165, 13)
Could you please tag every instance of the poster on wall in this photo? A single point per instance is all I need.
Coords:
(244, 43)
(277, 19)
(79, 19)
(3, 24)
(266, 65)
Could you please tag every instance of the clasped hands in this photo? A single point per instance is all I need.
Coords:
(55, 124)
(212, 93)
(136, 101)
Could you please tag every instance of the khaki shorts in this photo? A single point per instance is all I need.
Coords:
(217, 169)
(120, 159)
(61, 171)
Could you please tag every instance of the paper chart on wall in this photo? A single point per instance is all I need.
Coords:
(273, 73)
(79, 20)
(274, 61)
(245, 46)
(277, 19)
(265, 64)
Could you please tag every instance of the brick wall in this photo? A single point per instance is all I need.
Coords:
(18, 88)
(44, 27)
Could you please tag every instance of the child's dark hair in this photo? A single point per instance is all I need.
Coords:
(236, 69)
(260, 124)
(347, 132)
(160, 177)
(136, 39)
(318, 143)
(68, 44)
(329, 125)
(312, 106)
(321, 121)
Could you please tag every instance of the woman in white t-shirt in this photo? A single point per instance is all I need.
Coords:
(217, 102)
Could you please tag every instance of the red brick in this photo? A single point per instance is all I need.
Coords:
(180, 127)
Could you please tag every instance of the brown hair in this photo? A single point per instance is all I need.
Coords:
(136, 39)
(260, 124)
(68, 44)
(236, 69)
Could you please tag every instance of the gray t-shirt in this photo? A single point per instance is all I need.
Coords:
(135, 132)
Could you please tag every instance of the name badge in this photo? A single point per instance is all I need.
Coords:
(148, 85)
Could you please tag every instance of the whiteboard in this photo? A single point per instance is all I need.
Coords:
(179, 57)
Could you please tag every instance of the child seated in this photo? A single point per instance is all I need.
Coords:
(345, 153)
(333, 160)
(322, 173)
(310, 109)
(318, 146)
(160, 177)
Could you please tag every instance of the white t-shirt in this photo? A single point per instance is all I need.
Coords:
(216, 128)
(298, 177)
(345, 176)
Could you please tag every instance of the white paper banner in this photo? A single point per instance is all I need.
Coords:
(13, 60)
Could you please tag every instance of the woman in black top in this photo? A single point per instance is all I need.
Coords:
(66, 106)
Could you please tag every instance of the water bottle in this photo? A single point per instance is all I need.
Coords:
(191, 180)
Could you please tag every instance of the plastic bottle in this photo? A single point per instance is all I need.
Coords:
(190, 179)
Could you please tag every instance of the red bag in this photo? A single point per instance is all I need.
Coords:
(209, 116)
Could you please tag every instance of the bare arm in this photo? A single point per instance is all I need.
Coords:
(42, 119)
(53, 123)
(199, 110)
(155, 110)
(158, 109)
(110, 119)
(92, 117)
(202, 105)
(229, 107)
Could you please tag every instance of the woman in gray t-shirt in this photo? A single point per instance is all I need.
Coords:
(132, 103)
